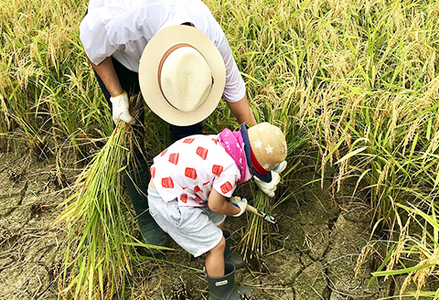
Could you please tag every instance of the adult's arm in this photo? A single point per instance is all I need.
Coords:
(106, 72)
(235, 86)
(119, 99)
(242, 111)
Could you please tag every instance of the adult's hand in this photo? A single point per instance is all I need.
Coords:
(121, 106)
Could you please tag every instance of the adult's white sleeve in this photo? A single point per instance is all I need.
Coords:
(94, 39)
(234, 89)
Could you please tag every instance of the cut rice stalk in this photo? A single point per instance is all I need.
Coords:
(98, 224)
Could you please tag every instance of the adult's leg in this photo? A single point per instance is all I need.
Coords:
(137, 176)
(179, 132)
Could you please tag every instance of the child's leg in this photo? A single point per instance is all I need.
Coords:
(215, 260)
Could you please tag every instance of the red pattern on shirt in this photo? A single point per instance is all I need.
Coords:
(190, 173)
(217, 170)
(226, 187)
(183, 198)
(188, 140)
(167, 183)
(173, 158)
(202, 152)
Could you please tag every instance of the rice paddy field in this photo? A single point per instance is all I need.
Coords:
(353, 84)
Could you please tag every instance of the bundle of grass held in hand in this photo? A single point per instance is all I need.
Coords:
(256, 238)
(99, 245)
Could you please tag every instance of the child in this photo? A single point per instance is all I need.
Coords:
(190, 182)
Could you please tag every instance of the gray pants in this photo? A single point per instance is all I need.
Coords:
(195, 229)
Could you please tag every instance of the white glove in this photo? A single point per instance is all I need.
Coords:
(121, 108)
(270, 187)
(240, 203)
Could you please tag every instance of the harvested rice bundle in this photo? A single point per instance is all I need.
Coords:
(98, 222)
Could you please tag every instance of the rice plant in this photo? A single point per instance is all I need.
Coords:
(42, 78)
(99, 246)
(423, 247)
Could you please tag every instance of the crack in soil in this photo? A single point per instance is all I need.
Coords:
(20, 201)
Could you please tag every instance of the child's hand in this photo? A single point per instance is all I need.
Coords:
(240, 203)
(270, 187)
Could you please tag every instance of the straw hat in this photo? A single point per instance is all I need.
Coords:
(181, 75)
(265, 148)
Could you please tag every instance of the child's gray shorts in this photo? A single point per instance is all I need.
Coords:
(195, 229)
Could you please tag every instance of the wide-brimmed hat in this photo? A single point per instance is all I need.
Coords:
(181, 75)
(265, 148)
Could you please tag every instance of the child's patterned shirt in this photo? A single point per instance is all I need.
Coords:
(191, 167)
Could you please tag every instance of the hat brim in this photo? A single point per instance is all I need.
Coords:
(247, 150)
(149, 69)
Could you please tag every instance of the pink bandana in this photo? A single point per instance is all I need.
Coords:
(234, 145)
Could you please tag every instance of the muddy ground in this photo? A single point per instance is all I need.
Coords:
(316, 247)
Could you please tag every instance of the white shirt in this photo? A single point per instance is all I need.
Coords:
(122, 28)
(190, 168)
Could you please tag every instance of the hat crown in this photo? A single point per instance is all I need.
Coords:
(185, 79)
(268, 145)
(167, 96)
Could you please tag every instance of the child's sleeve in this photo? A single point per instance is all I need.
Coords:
(227, 177)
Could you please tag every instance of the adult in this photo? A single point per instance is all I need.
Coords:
(114, 35)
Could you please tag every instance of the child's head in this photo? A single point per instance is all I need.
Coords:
(265, 148)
